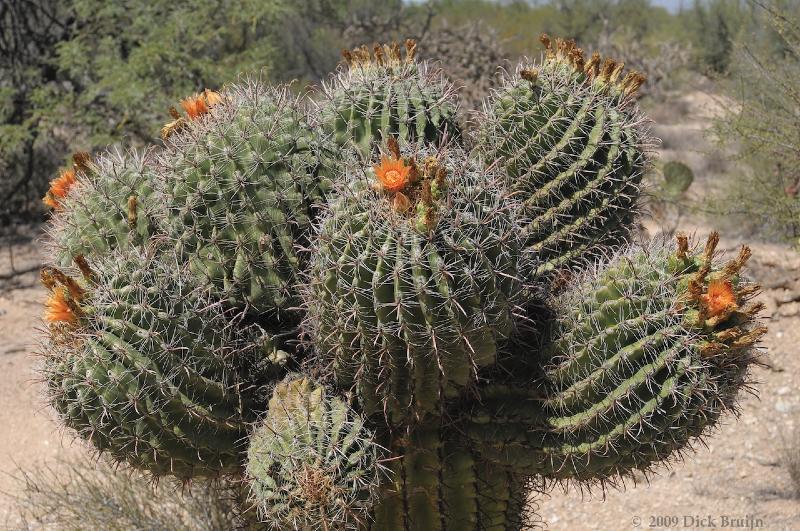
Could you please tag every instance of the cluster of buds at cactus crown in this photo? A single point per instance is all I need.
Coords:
(414, 187)
(194, 107)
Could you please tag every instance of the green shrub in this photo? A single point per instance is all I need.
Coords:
(84, 494)
(761, 126)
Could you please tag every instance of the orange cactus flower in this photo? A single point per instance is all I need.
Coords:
(393, 174)
(198, 105)
(212, 98)
(195, 106)
(59, 187)
(719, 298)
(49, 201)
(57, 308)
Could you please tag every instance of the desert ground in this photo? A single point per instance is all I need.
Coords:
(737, 477)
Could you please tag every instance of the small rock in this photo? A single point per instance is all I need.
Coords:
(789, 310)
(782, 406)
(783, 391)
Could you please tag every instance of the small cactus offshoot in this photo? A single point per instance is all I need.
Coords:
(360, 317)
(312, 462)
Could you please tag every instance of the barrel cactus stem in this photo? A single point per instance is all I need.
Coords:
(572, 143)
(406, 305)
(646, 352)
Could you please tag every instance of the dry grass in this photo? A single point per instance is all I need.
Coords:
(790, 459)
(82, 494)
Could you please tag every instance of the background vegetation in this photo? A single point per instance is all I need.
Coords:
(82, 494)
(83, 74)
(762, 129)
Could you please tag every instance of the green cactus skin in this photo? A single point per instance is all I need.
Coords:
(436, 485)
(570, 141)
(110, 207)
(406, 313)
(312, 463)
(639, 364)
(374, 97)
(154, 374)
(239, 186)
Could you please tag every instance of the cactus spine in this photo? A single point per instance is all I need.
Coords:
(382, 94)
(356, 243)
(567, 134)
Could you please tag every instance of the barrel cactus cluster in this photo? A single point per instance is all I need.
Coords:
(371, 318)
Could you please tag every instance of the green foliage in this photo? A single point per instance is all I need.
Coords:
(312, 33)
(469, 56)
(29, 150)
(762, 126)
(714, 26)
(518, 24)
(130, 61)
(587, 19)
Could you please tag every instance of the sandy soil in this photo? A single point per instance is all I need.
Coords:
(27, 433)
(739, 474)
